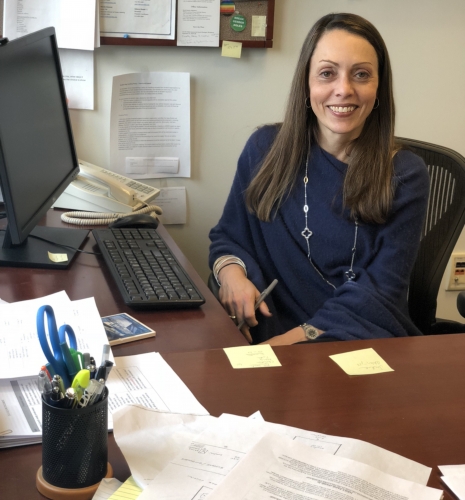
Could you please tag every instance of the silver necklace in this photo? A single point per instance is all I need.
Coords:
(307, 234)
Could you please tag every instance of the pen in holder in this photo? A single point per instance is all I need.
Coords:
(74, 450)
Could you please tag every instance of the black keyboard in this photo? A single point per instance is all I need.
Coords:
(147, 274)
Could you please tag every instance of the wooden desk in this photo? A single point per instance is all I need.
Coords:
(417, 411)
(177, 330)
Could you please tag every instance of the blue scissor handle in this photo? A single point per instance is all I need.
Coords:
(55, 359)
(67, 329)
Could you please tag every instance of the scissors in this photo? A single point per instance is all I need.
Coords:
(60, 361)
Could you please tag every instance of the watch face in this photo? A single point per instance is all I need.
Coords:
(310, 332)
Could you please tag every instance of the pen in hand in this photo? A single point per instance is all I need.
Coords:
(260, 299)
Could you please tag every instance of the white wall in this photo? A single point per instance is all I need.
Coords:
(230, 97)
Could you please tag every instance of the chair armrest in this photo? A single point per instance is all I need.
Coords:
(214, 287)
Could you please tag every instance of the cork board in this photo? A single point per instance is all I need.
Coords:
(247, 9)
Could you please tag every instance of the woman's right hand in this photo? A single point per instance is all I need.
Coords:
(238, 296)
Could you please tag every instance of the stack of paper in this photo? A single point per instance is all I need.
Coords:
(145, 379)
(454, 477)
(234, 457)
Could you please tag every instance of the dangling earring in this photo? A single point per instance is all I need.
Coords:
(307, 103)
(376, 106)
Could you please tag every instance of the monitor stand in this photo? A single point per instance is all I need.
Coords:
(34, 252)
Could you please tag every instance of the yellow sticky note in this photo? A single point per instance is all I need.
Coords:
(231, 49)
(258, 26)
(363, 362)
(252, 356)
(58, 257)
(127, 491)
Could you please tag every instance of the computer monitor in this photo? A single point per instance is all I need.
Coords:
(37, 155)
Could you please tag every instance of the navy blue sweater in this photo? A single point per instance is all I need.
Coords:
(374, 305)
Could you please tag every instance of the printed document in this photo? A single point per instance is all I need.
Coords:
(154, 19)
(213, 454)
(77, 67)
(199, 23)
(172, 200)
(150, 125)
(74, 22)
(150, 439)
(278, 467)
(144, 379)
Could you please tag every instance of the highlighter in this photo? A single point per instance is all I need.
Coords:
(80, 382)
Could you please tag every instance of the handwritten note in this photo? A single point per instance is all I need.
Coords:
(252, 356)
(231, 49)
(363, 362)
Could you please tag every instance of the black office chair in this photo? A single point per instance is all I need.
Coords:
(445, 219)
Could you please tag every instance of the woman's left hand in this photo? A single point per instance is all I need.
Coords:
(293, 336)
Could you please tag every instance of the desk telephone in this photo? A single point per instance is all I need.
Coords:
(96, 189)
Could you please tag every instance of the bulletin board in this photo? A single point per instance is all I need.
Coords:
(247, 8)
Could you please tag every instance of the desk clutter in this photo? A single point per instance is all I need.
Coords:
(173, 446)
(232, 457)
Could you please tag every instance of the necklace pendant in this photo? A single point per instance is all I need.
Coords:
(350, 275)
(306, 233)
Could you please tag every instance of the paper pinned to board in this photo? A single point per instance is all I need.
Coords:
(258, 26)
(252, 356)
(362, 362)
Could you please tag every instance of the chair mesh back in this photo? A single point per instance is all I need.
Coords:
(444, 221)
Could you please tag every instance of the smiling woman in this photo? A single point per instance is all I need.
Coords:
(325, 202)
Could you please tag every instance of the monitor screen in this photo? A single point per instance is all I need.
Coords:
(37, 154)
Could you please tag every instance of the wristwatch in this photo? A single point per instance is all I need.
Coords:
(311, 333)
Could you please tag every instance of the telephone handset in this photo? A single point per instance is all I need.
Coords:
(96, 189)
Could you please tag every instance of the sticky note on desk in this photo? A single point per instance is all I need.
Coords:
(127, 491)
(252, 356)
(231, 49)
(362, 362)
(58, 257)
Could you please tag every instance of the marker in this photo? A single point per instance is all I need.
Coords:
(89, 394)
(108, 367)
(98, 394)
(47, 372)
(86, 359)
(77, 358)
(51, 371)
(41, 380)
(59, 383)
(105, 353)
(69, 362)
(47, 392)
(55, 397)
(70, 398)
(80, 382)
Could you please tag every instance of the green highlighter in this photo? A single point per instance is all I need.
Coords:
(77, 358)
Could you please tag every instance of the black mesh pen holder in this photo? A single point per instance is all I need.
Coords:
(75, 444)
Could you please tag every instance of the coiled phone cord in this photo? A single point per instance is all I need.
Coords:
(100, 219)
